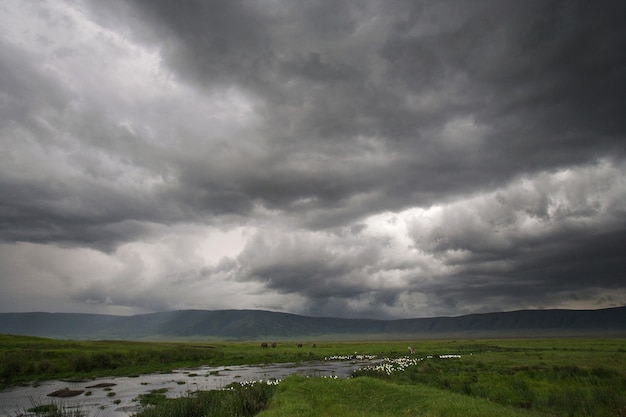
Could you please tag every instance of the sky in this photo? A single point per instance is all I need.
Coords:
(372, 159)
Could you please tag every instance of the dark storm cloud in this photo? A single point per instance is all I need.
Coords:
(65, 173)
(304, 264)
(545, 77)
(570, 269)
(88, 214)
(452, 155)
(555, 237)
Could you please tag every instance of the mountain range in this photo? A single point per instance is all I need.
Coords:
(263, 325)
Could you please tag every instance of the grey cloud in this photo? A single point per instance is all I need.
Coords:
(305, 121)
(530, 244)
(317, 95)
(74, 176)
(537, 278)
(26, 90)
(309, 265)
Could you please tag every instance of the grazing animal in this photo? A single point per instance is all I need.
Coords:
(299, 345)
(314, 345)
(273, 345)
(263, 345)
(411, 351)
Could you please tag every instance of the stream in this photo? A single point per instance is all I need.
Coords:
(119, 400)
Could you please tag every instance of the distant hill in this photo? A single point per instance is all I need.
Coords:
(259, 324)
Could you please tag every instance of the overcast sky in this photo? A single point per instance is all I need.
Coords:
(380, 159)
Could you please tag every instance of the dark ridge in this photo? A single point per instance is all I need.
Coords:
(259, 324)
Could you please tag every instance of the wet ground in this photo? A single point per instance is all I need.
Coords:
(119, 400)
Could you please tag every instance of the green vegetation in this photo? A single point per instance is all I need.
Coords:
(53, 410)
(237, 400)
(528, 377)
(298, 396)
(568, 390)
(26, 359)
(44, 409)
(154, 397)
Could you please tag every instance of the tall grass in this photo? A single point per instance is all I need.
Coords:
(27, 358)
(569, 390)
(52, 409)
(237, 401)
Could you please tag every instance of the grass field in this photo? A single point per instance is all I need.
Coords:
(25, 359)
(526, 377)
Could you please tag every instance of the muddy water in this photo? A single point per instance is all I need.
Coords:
(119, 400)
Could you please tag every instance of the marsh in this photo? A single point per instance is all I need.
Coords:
(118, 396)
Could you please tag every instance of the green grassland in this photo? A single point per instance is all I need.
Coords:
(297, 396)
(25, 359)
(524, 377)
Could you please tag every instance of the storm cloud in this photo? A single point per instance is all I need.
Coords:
(354, 159)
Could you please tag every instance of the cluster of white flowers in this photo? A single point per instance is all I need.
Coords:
(350, 357)
(246, 384)
(393, 365)
(400, 364)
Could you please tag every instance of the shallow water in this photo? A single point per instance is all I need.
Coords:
(117, 401)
